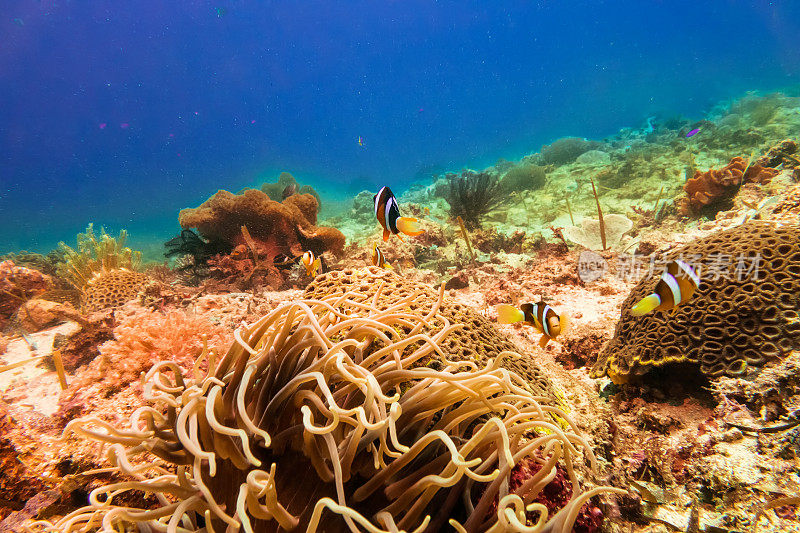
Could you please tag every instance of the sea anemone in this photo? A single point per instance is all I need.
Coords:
(334, 406)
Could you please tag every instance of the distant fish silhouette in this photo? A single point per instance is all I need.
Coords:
(288, 191)
(693, 132)
(360, 140)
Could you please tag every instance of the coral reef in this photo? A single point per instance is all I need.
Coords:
(478, 341)
(566, 150)
(286, 185)
(324, 408)
(18, 285)
(589, 233)
(112, 288)
(524, 176)
(276, 228)
(743, 315)
(708, 191)
(142, 338)
(95, 254)
(472, 195)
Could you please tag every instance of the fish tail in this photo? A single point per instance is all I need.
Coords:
(387, 265)
(646, 304)
(409, 226)
(508, 314)
(316, 266)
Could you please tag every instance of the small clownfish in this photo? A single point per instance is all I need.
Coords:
(378, 259)
(312, 264)
(676, 286)
(540, 315)
(388, 215)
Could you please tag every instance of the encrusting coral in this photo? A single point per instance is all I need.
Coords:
(322, 410)
(743, 315)
(708, 189)
(286, 227)
(17, 285)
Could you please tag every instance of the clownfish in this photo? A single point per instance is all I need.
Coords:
(541, 316)
(378, 259)
(676, 286)
(312, 264)
(388, 215)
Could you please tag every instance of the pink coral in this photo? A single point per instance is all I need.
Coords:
(18, 285)
(141, 338)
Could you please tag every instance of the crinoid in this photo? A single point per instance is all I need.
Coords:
(472, 195)
(95, 254)
(322, 410)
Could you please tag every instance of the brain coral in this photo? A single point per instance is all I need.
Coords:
(112, 288)
(286, 227)
(744, 314)
(321, 417)
(478, 341)
(707, 188)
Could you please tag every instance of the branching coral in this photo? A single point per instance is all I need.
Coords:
(142, 338)
(320, 411)
(472, 195)
(95, 254)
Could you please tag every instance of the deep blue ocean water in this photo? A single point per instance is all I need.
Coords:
(122, 113)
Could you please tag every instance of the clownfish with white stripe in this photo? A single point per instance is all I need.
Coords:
(388, 215)
(312, 263)
(540, 315)
(676, 286)
(378, 259)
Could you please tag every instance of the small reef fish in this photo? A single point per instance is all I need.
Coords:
(676, 286)
(693, 132)
(288, 191)
(378, 259)
(312, 263)
(388, 215)
(539, 315)
(360, 140)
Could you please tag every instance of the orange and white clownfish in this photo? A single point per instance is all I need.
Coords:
(388, 215)
(378, 259)
(540, 315)
(312, 264)
(676, 286)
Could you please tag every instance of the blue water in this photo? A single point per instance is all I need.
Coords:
(122, 113)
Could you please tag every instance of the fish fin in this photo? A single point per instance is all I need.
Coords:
(387, 265)
(386, 234)
(308, 269)
(508, 314)
(543, 341)
(409, 226)
(564, 322)
(316, 266)
(646, 304)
